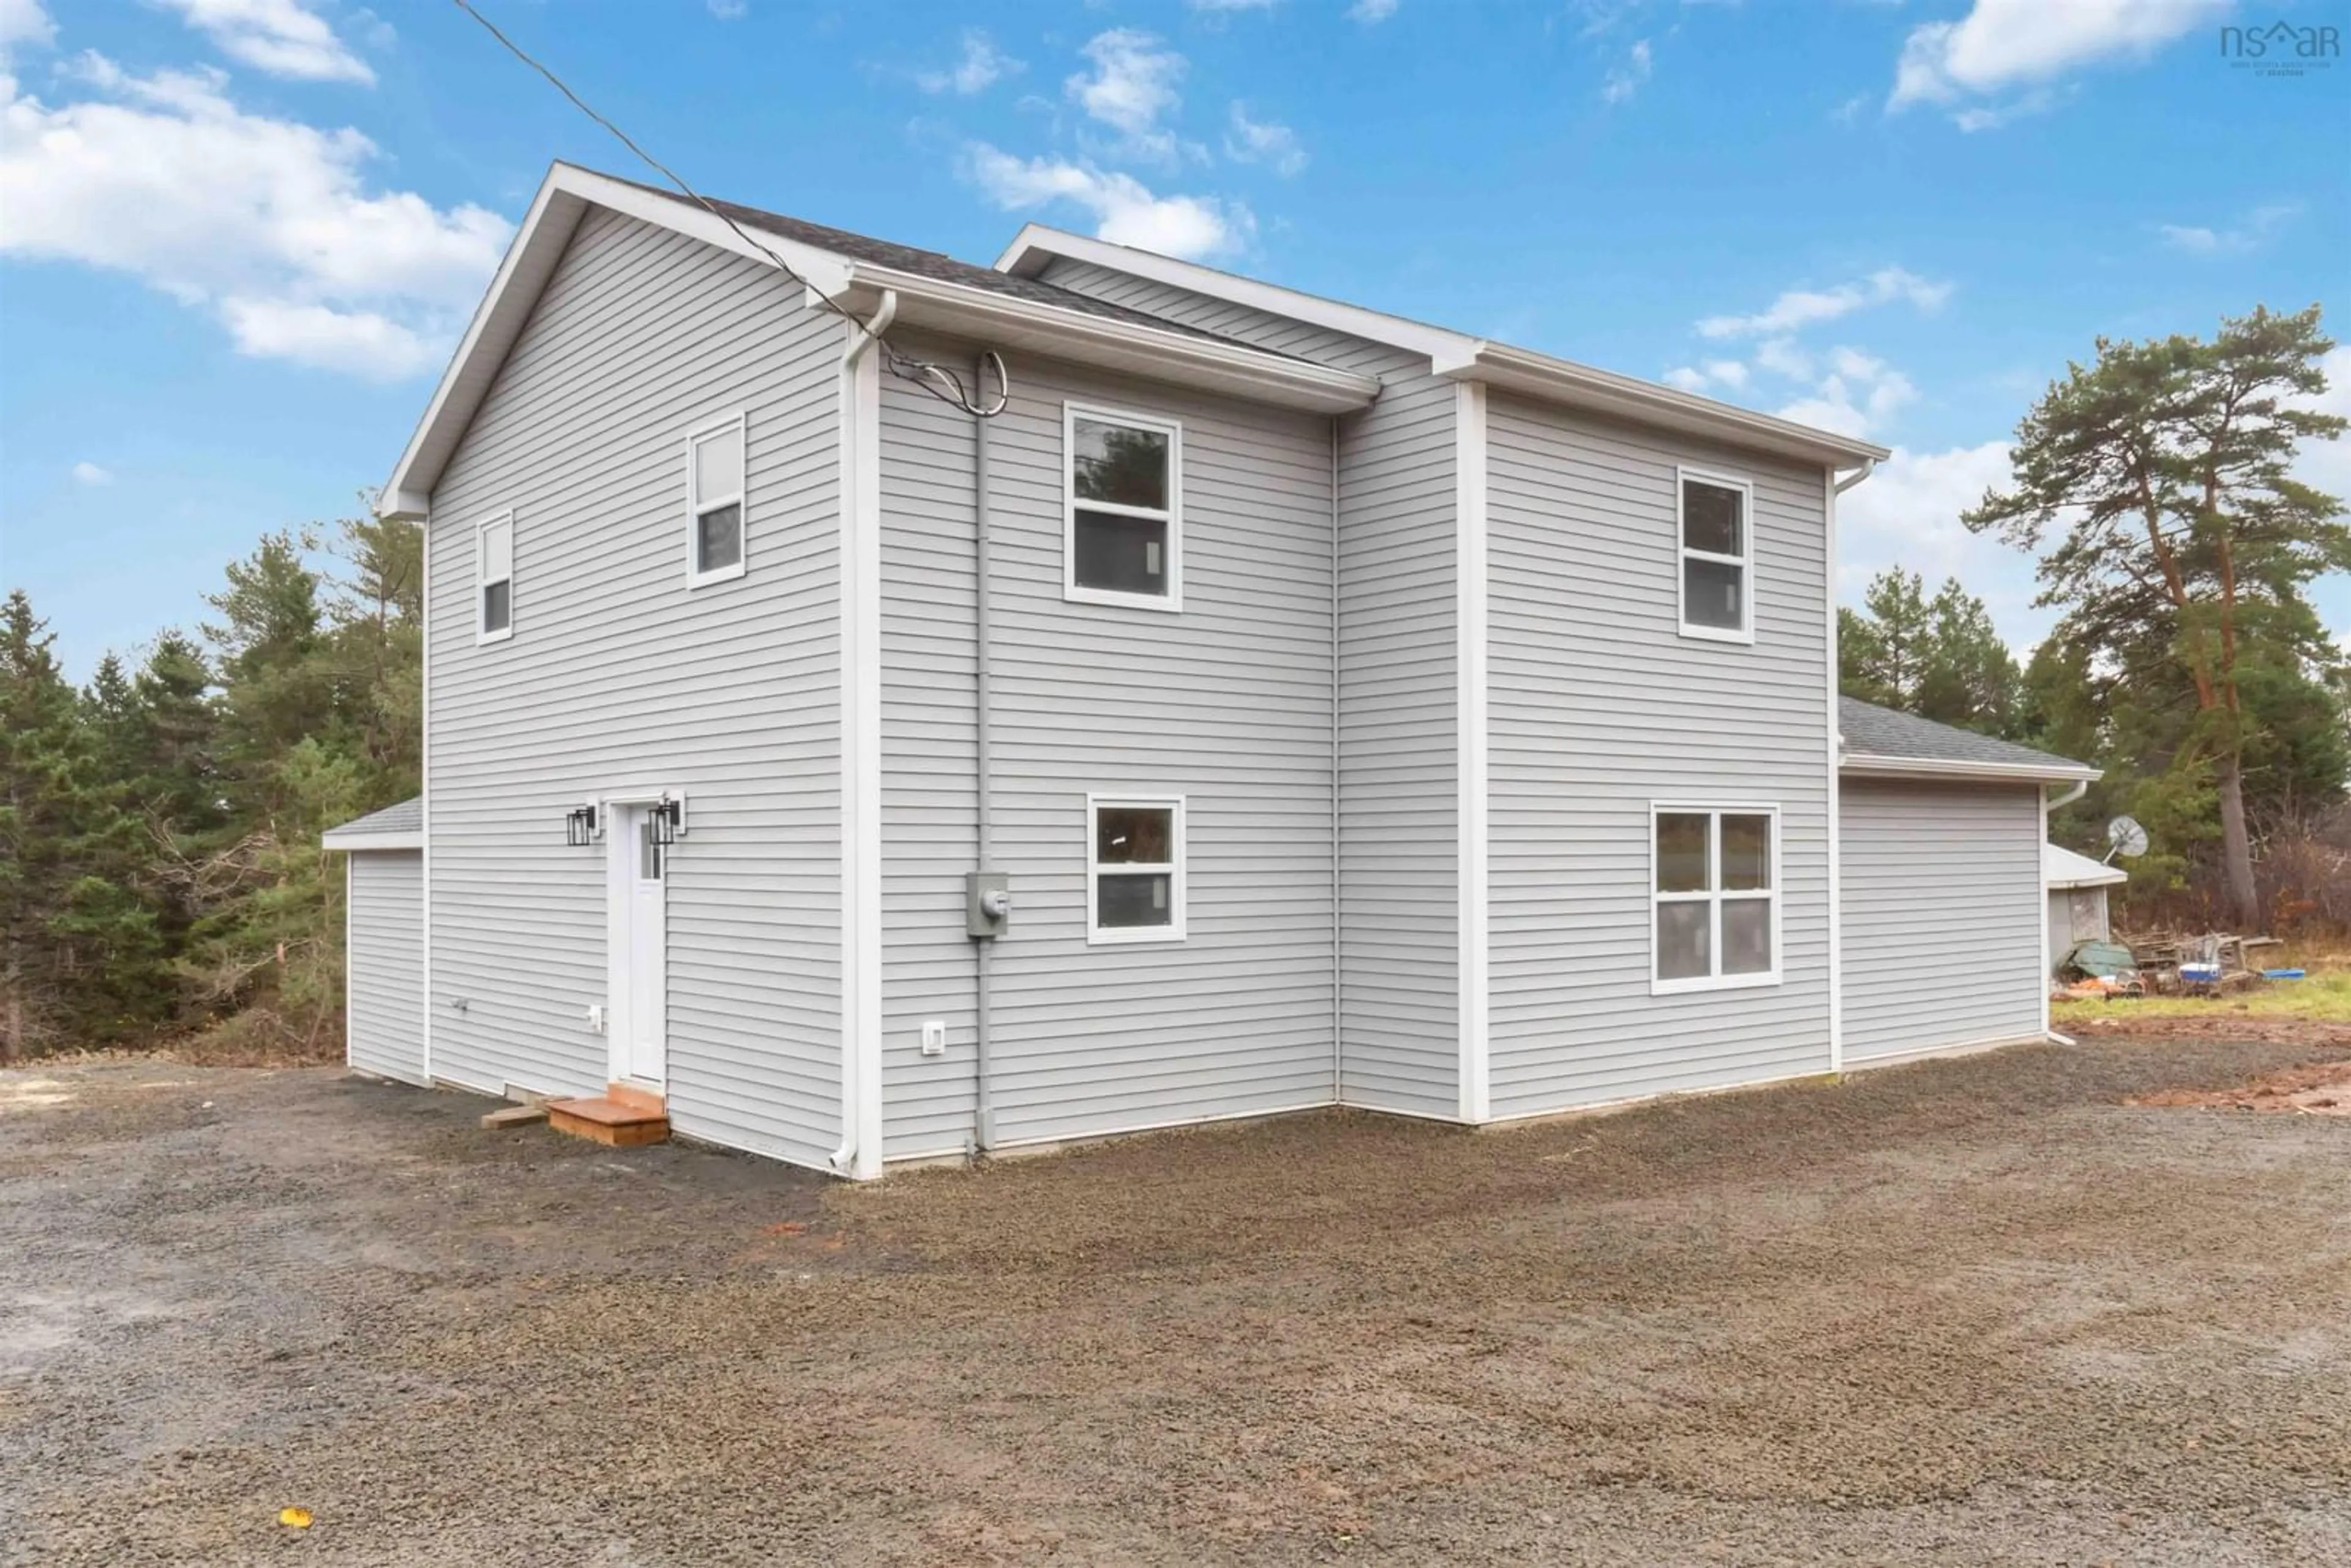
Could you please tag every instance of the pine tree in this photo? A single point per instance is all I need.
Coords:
(2187, 544)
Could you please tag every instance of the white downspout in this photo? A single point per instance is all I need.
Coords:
(1868, 467)
(859, 1154)
(2073, 792)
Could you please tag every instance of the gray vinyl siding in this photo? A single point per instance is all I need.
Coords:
(1942, 916)
(617, 676)
(1597, 708)
(384, 969)
(1399, 851)
(1226, 704)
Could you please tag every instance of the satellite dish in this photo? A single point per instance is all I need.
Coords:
(2125, 837)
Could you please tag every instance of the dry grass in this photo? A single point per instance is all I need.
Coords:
(2325, 997)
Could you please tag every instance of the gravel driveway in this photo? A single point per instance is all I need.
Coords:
(1968, 1311)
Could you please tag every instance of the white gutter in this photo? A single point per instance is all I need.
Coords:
(859, 1154)
(1625, 397)
(1868, 767)
(342, 842)
(1165, 353)
(2079, 788)
(1868, 467)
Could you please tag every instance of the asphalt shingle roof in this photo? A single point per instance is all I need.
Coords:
(407, 816)
(1872, 731)
(945, 269)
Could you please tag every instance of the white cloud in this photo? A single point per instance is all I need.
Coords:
(1728, 374)
(1268, 142)
(23, 22)
(1371, 12)
(2005, 46)
(1801, 307)
(1783, 357)
(2326, 465)
(1624, 79)
(1908, 514)
(269, 224)
(1226, 8)
(1857, 396)
(363, 342)
(1132, 82)
(981, 66)
(283, 37)
(1125, 212)
(730, 10)
(91, 473)
(2248, 236)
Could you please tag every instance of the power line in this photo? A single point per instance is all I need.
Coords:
(922, 372)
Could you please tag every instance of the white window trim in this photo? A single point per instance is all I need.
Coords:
(696, 503)
(1683, 554)
(1096, 933)
(1715, 812)
(482, 634)
(1173, 599)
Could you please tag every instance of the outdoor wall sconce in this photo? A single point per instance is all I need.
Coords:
(580, 827)
(666, 820)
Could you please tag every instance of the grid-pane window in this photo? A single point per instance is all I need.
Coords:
(1135, 872)
(1124, 529)
(716, 461)
(1714, 896)
(494, 579)
(1716, 554)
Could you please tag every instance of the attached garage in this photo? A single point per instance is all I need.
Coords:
(1943, 943)
(383, 1018)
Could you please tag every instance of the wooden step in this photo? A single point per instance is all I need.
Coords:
(628, 1122)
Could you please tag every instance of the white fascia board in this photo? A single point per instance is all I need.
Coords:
(1552, 380)
(564, 196)
(1037, 244)
(360, 843)
(1456, 355)
(1943, 768)
(1003, 321)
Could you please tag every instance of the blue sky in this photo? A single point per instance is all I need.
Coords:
(237, 236)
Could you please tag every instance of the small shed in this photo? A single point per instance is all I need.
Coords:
(2078, 898)
(384, 941)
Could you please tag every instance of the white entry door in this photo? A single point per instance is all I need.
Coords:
(637, 926)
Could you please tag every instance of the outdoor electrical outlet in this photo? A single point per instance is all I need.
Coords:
(935, 1037)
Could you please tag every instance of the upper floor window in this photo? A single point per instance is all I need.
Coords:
(1123, 539)
(1717, 557)
(494, 579)
(1134, 869)
(1714, 893)
(716, 462)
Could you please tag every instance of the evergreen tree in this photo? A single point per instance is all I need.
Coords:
(2187, 545)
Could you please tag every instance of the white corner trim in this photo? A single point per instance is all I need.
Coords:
(1471, 750)
(2041, 965)
(861, 756)
(1837, 810)
(424, 767)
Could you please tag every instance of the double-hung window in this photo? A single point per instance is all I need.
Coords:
(1714, 894)
(1134, 869)
(1718, 545)
(715, 470)
(1123, 536)
(494, 579)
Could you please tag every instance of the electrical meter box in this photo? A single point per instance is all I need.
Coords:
(987, 903)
